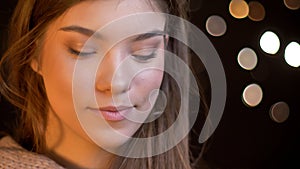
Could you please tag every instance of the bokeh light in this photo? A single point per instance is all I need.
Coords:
(269, 42)
(216, 25)
(292, 4)
(247, 59)
(252, 95)
(256, 11)
(239, 9)
(279, 112)
(292, 54)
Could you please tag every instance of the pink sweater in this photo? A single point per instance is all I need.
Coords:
(12, 155)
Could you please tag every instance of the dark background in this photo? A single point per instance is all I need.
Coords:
(246, 138)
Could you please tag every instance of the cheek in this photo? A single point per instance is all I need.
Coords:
(57, 70)
(58, 85)
(143, 84)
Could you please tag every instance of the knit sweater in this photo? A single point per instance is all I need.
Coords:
(12, 155)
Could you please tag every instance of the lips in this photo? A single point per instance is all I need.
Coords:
(112, 113)
(113, 108)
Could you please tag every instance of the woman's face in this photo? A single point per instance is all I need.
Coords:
(97, 83)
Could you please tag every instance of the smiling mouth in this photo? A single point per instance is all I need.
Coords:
(112, 113)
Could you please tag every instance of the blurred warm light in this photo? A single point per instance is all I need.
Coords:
(292, 54)
(252, 95)
(292, 4)
(256, 11)
(269, 42)
(279, 112)
(238, 9)
(216, 25)
(247, 59)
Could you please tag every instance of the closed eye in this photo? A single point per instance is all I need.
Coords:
(81, 53)
(145, 54)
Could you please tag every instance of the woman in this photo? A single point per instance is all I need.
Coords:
(52, 47)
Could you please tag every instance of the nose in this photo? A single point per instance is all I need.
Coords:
(110, 78)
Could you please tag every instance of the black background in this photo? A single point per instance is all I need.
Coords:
(246, 137)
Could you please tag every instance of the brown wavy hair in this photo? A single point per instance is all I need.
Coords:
(25, 89)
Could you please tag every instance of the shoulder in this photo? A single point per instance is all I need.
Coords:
(12, 155)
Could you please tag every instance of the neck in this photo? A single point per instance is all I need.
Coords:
(71, 150)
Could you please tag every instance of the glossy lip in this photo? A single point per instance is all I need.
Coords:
(112, 113)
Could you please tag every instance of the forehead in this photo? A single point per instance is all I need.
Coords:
(114, 20)
(95, 14)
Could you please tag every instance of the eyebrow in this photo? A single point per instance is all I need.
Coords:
(89, 32)
(79, 29)
(148, 35)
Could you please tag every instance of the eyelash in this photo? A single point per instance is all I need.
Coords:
(145, 57)
(139, 57)
(77, 53)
